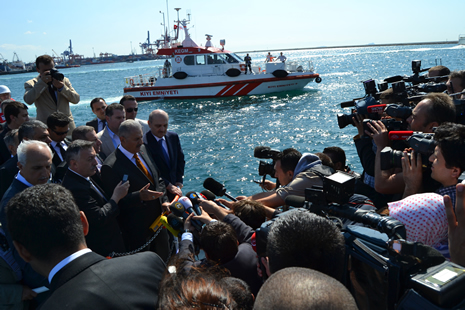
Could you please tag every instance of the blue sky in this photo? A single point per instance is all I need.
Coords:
(33, 28)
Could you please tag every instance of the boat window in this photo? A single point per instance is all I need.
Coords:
(237, 57)
(230, 59)
(214, 59)
(189, 60)
(200, 59)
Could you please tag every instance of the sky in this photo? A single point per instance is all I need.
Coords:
(33, 28)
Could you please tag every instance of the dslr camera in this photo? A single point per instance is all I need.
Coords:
(56, 75)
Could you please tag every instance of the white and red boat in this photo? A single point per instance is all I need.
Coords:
(193, 71)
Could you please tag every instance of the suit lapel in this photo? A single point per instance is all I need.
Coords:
(148, 161)
(133, 169)
(73, 268)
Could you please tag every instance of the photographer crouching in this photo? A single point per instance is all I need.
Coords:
(295, 172)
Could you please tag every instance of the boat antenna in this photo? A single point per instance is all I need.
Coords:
(177, 28)
(167, 13)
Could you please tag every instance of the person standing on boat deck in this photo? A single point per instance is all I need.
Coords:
(131, 107)
(282, 58)
(269, 58)
(167, 69)
(98, 106)
(166, 152)
(248, 63)
(48, 94)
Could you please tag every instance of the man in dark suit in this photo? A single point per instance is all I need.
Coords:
(30, 130)
(100, 209)
(34, 162)
(86, 133)
(58, 128)
(98, 106)
(79, 278)
(146, 197)
(15, 115)
(166, 152)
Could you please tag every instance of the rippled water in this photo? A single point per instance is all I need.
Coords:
(218, 136)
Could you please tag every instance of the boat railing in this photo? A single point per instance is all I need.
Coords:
(141, 80)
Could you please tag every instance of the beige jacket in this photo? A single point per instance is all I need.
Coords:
(37, 92)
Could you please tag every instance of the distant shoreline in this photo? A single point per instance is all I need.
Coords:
(349, 46)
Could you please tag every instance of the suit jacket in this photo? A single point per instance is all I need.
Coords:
(56, 158)
(8, 172)
(63, 168)
(36, 91)
(107, 143)
(104, 234)
(242, 266)
(30, 277)
(94, 123)
(136, 215)
(93, 282)
(4, 151)
(177, 163)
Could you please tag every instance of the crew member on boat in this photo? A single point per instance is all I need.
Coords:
(248, 63)
(269, 58)
(167, 69)
(282, 58)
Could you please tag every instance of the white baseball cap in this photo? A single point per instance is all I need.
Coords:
(4, 89)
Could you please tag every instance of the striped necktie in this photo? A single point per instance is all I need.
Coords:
(142, 168)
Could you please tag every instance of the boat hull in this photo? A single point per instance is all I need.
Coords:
(214, 86)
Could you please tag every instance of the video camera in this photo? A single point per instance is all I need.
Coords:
(422, 143)
(57, 75)
(264, 167)
(383, 270)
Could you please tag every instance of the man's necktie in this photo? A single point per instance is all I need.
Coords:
(62, 151)
(142, 168)
(52, 93)
(97, 189)
(104, 123)
(165, 154)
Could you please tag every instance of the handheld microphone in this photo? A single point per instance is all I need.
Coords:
(175, 222)
(216, 188)
(194, 198)
(175, 198)
(165, 223)
(210, 196)
(187, 206)
(157, 223)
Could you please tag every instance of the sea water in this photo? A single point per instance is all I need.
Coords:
(218, 136)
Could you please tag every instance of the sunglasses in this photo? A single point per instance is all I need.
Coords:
(130, 110)
(60, 133)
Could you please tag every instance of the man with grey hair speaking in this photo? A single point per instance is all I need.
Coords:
(146, 195)
(34, 162)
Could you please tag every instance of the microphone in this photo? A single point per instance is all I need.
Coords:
(194, 198)
(157, 223)
(187, 209)
(210, 196)
(175, 198)
(393, 79)
(175, 222)
(165, 223)
(216, 188)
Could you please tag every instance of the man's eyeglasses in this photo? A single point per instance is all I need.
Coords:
(130, 110)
